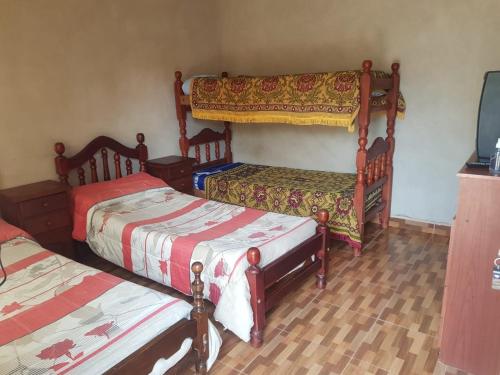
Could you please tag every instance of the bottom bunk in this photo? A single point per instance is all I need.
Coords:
(290, 191)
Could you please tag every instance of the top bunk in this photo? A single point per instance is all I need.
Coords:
(332, 99)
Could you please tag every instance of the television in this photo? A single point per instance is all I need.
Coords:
(488, 121)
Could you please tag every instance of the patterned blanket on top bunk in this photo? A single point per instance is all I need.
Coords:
(302, 99)
(295, 192)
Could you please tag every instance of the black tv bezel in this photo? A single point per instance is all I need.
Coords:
(479, 114)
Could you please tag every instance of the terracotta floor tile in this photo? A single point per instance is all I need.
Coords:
(398, 350)
(379, 272)
(357, 367)
(303, 358)
(420, 312)
(357, 295)
(339, 329)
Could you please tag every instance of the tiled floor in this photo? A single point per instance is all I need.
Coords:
(379, 314)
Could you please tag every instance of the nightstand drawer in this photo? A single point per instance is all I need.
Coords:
(184, 185)
(47, 222)
(43, 205)
(181, 170)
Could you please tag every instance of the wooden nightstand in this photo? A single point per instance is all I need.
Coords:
(42, 210)
(176, 171)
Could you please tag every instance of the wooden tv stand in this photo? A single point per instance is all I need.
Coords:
(470, 327)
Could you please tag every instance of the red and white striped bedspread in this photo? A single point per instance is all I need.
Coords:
(59, 316)
(159, 233)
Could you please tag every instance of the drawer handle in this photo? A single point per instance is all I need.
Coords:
(182, 171)
(49, 223)
(45, 204)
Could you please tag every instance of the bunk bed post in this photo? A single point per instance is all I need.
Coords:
(199, 313)
(391, 122)
(228, 154)
(143, 152)
(257, 297)
(61, 163)
(322, 254)
(363, 122)
(181, 114)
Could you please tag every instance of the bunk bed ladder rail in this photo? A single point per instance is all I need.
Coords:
(374, 169)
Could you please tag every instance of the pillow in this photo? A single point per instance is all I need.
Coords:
(84, 197)
(378, 92)
(186, 86)
(9, 232)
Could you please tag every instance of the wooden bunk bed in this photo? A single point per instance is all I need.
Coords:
(372, 183)
(267, 283)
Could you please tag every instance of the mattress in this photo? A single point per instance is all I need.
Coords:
(200, 176)
(292, 191)
(59, 316)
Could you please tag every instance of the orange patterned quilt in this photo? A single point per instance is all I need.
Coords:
(303, 99)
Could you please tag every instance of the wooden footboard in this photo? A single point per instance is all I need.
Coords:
(374, 168)
(271, 283)
(168, 343)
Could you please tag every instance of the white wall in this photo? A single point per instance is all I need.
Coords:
(74, 69)
(444, 48)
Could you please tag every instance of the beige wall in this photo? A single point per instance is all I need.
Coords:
(444, 48)
(74, 69)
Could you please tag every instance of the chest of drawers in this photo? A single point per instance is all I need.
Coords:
(176, 171)
(41, 209)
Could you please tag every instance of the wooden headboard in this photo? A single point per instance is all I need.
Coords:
(100, 145)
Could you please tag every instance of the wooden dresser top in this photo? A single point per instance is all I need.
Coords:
(476, 172)
(33, 191)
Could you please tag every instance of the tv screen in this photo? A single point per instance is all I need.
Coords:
(488, 123)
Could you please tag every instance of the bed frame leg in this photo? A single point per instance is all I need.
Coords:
(357, 251)
(322, 253)
(383, 219)
(199, 313)
(391, 124)
(257, 297)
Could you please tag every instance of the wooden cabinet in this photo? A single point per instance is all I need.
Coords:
(42, 210)
(176, 171)
(470, 330)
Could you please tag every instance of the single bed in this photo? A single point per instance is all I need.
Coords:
(59, 316)
(141, 224)
(351, 199)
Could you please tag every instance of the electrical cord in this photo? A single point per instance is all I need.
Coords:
(3, 269)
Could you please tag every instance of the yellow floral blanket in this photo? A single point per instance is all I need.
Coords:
(292, 191)
(302, 99)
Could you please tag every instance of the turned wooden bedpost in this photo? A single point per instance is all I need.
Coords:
(391, 122)
(322, 253)
(199, 313)
(257, 297)
(363, 122)
(228, 154)
(62, 168)
(143, 152)
(181, 114)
